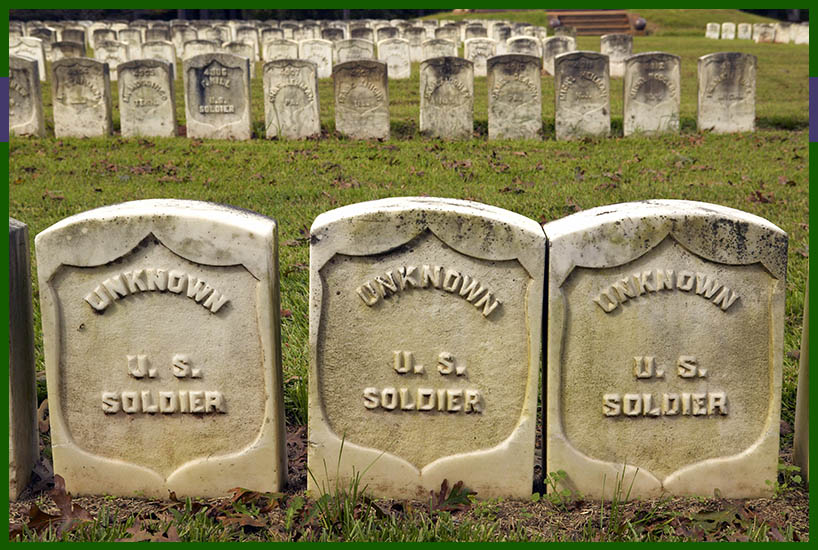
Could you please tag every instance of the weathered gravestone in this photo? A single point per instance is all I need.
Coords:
(319, 52)
(217, 96)
(25, 98)
(447, 98)
(478, 51)
(361, 99)
(665, 344)
(74, 34)
(415, 36)
(31, 48)
(727, 92)
(353, 49)
(154, 34)
(800, 34)
(280, 49)
(728, 31)
(362, 33)
(81, 92)
(783, 33)
(103, 35)
(475, 31)
(249, 35)
(133, 39)
(763, 32)
(180, 34)
(452, 34)
(502, 33)
(386, 33)
(395, 53)
(554, 46)
(744, 31)
(161, 49)
(438, 47)
(65, 48)
(113, 53)
(291, 108)
(192, 48)
(449, 390)
(712, 31)
(47, 35)
(566, 30)
(582, 95)
(161, 340)
(618, 47)
(269, 34)
(800, 444)
(523, 45)
(652, 93)
(147, 105)
(332, 34)
(24, 437)
(242, 49)
(515, 97)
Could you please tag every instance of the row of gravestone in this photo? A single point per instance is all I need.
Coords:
(217, 97)
(662, 359)
(778, 33)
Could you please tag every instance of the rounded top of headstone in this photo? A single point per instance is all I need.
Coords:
(644, 56)
(512, 58)
(727, 56)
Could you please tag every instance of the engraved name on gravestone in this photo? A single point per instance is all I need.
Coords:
(24, 436)
(280, 49)
(217, 96)
(395, 53)
(447, 392)
(712, 31)
(665, 345)
(353, 49)
(515, 97)
(147, 105)
(161, 340)
(478, 50)
(618, 47)
(361, 99)
(728, 31)
(447, 98)
(319, 52)
(727, 92)
(291, 108)
(438, 47)
(652, 93)
(81, 92)
(582, 95)
(25, 98)
(552, 47)
(32, 48)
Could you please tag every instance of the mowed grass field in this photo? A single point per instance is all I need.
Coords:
(765, 172)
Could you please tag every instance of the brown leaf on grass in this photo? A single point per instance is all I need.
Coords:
(783, 180)
(571, 205)
(761, 197)
(54, 196)
(519, 153)
(296, 267)
(139, 533)
(70, 515)
(242, 520)
(450, 500)
(286, 313)
(579, 174)
(42, 417)
(605, 186)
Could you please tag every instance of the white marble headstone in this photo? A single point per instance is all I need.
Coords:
(81, 94)
(217, 96)
(162, 349)
(425, 319)
(727, 92)
(291, 103)
(652, 93)
(25, 98)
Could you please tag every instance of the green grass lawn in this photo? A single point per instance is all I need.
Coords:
(765, 172)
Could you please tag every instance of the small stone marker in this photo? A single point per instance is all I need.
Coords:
(31, 48)
(478, 51)
(745, 31)
(524, 45)
(395, 53)
(652, 93)
(438, 47)
(24, 437)
(665, 347)
(25, 98)
(81, 92)
(554, 46)
(727, 91)
(217, 96)
(515, 97)
(728, 31)
(582, 95)
(763, 32)
(161, 338)
(147, 105)
(800, 444)
(113, 53)
(712, 31)
(291, 107)
(447, 98)
(447, 392)
(280, 49)
(319, 52)
(353, 49)
(361, 99)
(618, 47)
